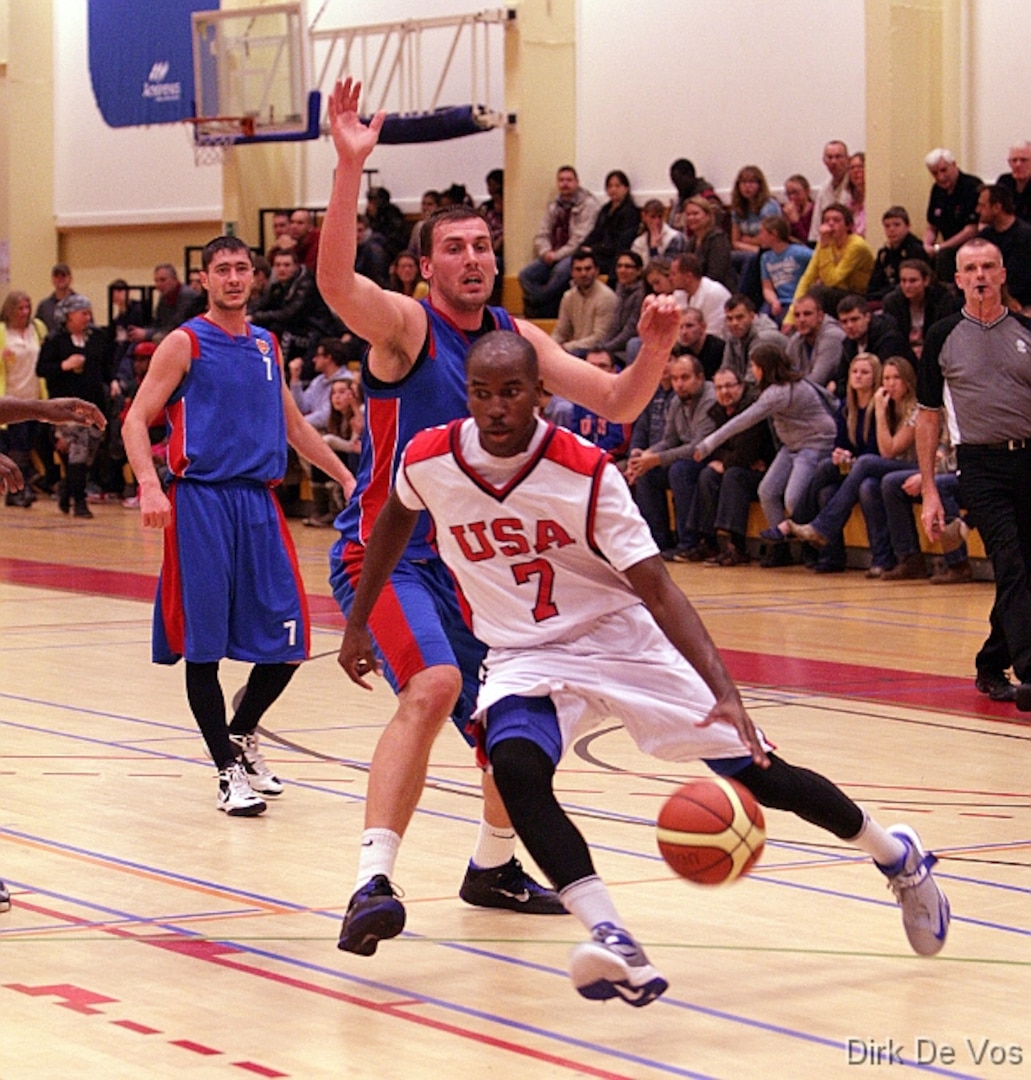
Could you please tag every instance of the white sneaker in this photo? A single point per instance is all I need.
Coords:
(5, 898)
(925, 909)
(612, 965)
(259, 775)
(235, 795)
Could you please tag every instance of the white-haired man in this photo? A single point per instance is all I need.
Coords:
(951, 211)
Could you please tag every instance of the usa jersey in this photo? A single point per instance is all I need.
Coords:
(537, 543)
(433, 392)
(229, 378)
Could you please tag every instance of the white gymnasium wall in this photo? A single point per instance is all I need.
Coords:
(727, 84)
(740, 82)
(997, 59)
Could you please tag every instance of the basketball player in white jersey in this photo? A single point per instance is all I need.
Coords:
(583, 623)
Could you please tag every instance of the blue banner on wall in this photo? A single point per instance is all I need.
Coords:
(141, 59)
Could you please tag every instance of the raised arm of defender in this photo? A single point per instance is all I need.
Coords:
(621, 397)
(393, 324)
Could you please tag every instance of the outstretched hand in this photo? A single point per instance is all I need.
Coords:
(659, 322)
(72, 411)
(11, 479)
(354, 141)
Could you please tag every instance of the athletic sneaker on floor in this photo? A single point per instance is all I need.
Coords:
(510, 887)
(5, 898)
(259, 775)
(235, 795)
(612, 965)
(373, 915)
(925, 910)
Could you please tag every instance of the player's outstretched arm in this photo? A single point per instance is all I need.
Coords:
(621, 397)
(168, 368)
(390, 322)
(66, 410)
(390, 536)
(679, 621)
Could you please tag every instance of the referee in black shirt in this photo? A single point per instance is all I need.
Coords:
(977, 363)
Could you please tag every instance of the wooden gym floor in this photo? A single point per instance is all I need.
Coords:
(151, 936)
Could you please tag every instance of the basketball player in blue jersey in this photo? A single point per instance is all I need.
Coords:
(413, 377)
(230, 585)
(566, 586)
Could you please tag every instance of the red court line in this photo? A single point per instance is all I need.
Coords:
(120, 584)
(218, 953)
(913, 689)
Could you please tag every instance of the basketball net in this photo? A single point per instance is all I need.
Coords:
(213, 137)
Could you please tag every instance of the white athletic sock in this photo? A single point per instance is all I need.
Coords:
(378, 854)
(885, 849)
(494, 846)
(588, 899)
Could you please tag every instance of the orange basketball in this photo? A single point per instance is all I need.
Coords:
(711, 831)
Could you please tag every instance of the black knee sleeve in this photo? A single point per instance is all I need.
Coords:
(805, 793)
(204, 693)
(523, 774)
(264, 684)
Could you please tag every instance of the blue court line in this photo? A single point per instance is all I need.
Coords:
(493, 1018)
(440, 815)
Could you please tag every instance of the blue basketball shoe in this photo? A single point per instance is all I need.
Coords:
(612, 965)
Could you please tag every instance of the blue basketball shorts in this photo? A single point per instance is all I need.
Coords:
(416, 623)
(230, 585)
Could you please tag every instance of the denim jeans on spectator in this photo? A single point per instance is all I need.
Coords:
(905, 540)
(863, 485)
(784, 485)
(543, 286)
(650, 496)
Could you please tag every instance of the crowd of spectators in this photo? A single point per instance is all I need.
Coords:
(796, 325)
(789, 321)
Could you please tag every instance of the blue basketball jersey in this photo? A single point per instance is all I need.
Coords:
(229, 378)
(432, 393)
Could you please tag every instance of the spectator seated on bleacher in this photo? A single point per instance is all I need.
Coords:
(566, 223)
(658, 239)
(605, 434)
(729, 482)
(781, 266)
(917, 302)
(668, 465)
(744, 329)
(895, 412)
(857, 436)
(842, 262)
(707, 240)
(900, 244)
(650, 425)
(866, 331)
(900, 491)
(802, 418)
(750, 202)
(691, 288)
(586, 312)
(629, 299)
(694, 339)
(815, 347)
(616, 226)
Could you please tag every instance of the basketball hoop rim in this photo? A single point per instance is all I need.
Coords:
(229, 128)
